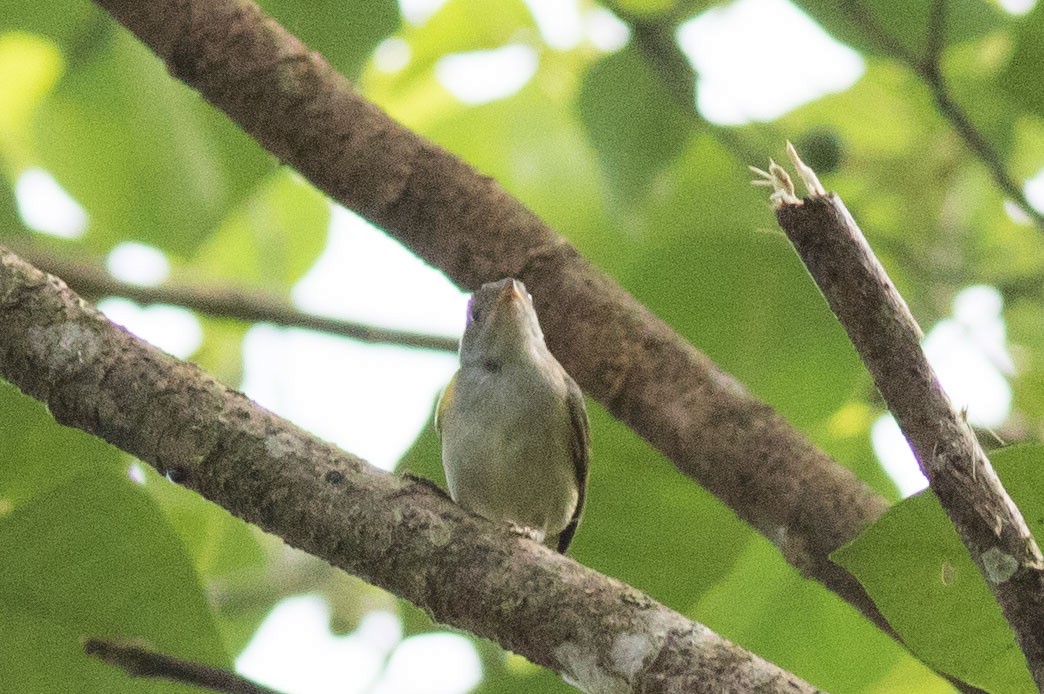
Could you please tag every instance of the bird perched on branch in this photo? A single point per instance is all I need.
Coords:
(515, 441)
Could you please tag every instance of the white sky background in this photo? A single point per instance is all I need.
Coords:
(373, 400)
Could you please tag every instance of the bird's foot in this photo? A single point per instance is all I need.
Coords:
(528, 533)
(425, 482)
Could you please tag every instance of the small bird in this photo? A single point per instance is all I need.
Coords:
(515, 435)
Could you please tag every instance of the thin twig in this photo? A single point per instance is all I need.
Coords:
(935, 40)
(930, 72)
(140, 662)
(887, 337)
(92, 281)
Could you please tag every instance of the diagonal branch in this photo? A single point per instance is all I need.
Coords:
(930, 72)
(396, 533)
(291, 100)
(222, 301)
(887, 337)
(141, 662)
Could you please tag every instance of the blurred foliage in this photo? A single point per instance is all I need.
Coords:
(600, 145)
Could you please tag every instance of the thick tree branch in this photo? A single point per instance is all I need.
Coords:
(140, 662)
(92, 281)
(929, 70)
(396, 533)
(702, 419)
(887, 337)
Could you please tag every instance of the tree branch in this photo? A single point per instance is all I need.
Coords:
(930, 72)
(703, 420)
(887, 337)
(92, 281)
(139, 662)
(398, 534)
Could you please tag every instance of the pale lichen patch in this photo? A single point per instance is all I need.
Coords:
(64, 345)
(630, 652)
(581, 669)
(998, 565)
(279, 445)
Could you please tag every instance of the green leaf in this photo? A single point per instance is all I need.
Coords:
(95, 557)
(1024, 78)
(146, 157)
(71, 22)
(36, 454)
(271, 239)
(636, 126)
(767, 607)
(714, 266)
(919, 574)
(651, 9)
(871, 25)
(534, 147)
(462, 26)
(30, 66)
(225, 552)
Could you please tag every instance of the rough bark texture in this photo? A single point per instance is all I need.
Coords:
(399, 534)
(705, 422)
(881, 327)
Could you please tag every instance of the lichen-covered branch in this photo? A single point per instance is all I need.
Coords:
(396, 533)
(297, 106)
(888, 339)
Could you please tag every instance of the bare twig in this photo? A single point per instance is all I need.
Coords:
(935, 40)
(702, 419)
(94, 282)
(930, 72)
(140, 662)
(887, 338)
(396, 533)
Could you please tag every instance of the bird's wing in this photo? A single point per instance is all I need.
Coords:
(581, 451)
(444, 402)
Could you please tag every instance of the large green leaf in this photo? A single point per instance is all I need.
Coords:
(1024, 78)
(94, 557)
(636, 126)
(36, 454)
(146, 157)
(715, 268)
(767, 607)
(462, 26)
(71, 22)
(534, 147)
(658, 9)
(270, 239)
(920, 576)
(225, 552)
(872, 25)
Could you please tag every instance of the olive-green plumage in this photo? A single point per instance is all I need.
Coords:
(515, 442)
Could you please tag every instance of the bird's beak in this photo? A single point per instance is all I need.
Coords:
(511, 292)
